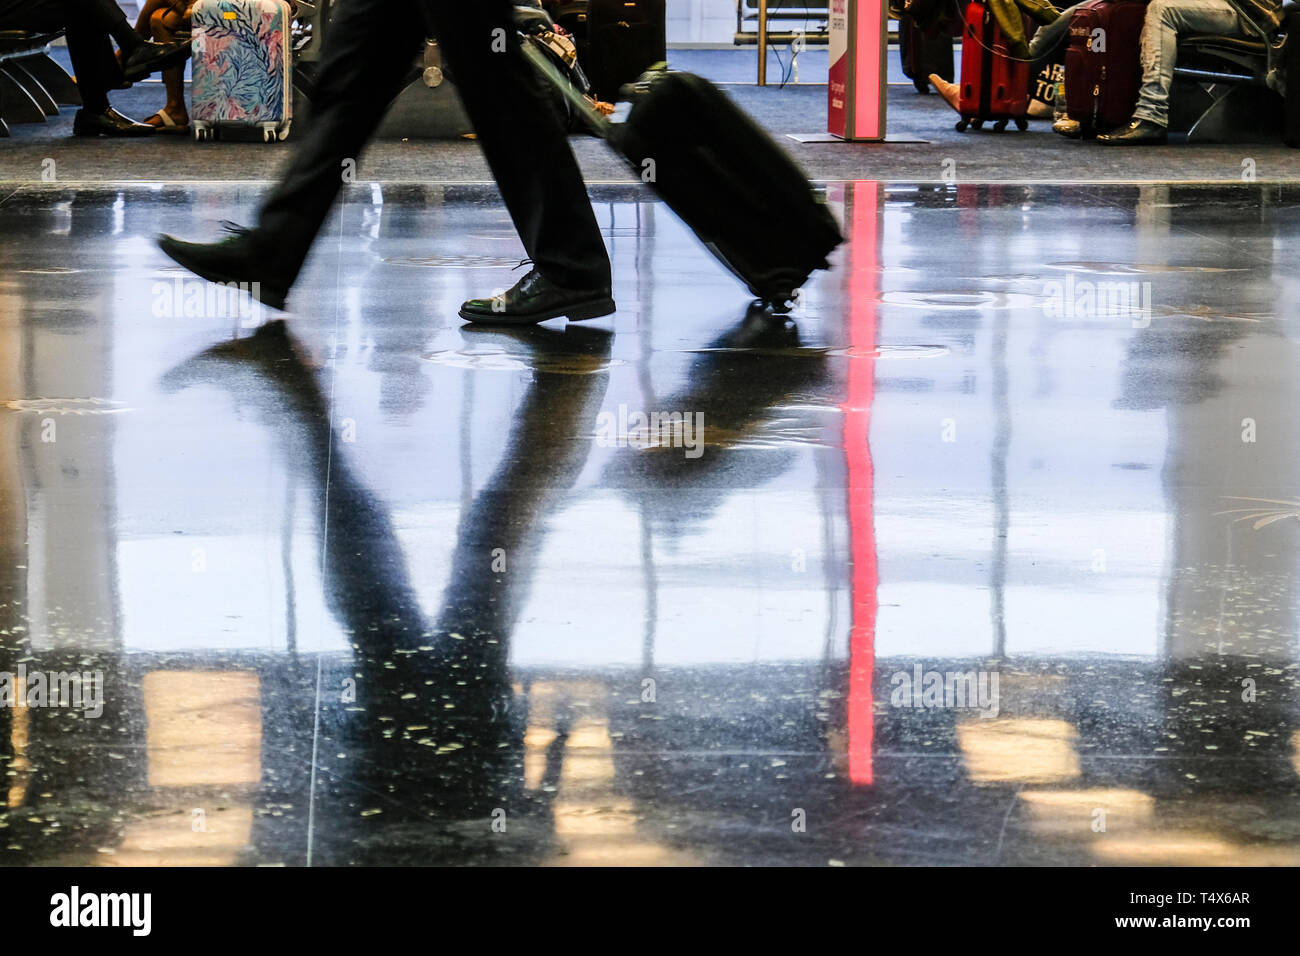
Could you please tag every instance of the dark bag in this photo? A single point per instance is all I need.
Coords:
(1291, 64)
(924, 51)
(1101, 85)
(741, 194)
(624, 39)
(994, 85)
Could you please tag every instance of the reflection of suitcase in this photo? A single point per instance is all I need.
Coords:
(1102, 79)
(243, 71)
(740, 192)
(993, 85)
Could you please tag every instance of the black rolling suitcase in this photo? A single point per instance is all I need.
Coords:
(1291, 63)
(743, 197)
(924, 51)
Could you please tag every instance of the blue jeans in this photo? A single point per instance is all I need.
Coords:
(1165, 20)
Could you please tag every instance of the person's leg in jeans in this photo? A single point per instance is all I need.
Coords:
(1165, 20)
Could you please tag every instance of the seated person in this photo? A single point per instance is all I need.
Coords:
(90, 27)
(164, 20)
(1165, 20)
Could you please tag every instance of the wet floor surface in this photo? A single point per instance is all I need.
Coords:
(987, 556)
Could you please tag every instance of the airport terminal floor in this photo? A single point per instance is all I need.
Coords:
(987, 554)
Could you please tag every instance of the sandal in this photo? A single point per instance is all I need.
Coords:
(163, 123)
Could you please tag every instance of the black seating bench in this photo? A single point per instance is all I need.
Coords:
(32, 84)
(1223, 94)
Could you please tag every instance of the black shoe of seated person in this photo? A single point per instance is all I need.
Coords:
(1139, 132)
(151, 57)
(108, 123)
(242, 257)
(534, 298)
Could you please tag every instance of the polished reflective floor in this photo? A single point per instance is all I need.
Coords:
(989, 555)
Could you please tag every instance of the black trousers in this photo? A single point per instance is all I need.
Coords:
(88, 24)
(371, 48)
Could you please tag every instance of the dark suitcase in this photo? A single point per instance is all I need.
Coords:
(994, 86)
(1101, 85)
(624, 39)
(740, 193)
(924, 51)
(1291, 63)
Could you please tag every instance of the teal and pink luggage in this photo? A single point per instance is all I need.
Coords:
(242, 70)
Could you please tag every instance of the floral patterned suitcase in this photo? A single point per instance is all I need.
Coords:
(243, 70)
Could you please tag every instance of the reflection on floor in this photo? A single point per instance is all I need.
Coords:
(989, 556)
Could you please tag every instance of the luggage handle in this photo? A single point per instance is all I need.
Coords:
(542, 62)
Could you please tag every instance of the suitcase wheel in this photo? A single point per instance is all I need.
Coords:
(999, 126)
(961, 124)
(977, 123)
(1022, 124)
(203, 133)
(269, 136)
(922, 86)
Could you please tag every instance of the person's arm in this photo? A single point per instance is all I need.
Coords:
(1264, 15)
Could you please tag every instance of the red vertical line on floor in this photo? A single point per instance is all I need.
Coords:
(861, 213)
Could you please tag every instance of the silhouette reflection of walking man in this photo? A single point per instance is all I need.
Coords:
(435, 733)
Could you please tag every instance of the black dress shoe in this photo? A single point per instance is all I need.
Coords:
(1140, 132)
(108, 123)
(534, 298)
(243, 257)
(150, 57)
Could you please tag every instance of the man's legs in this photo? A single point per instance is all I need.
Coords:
(370, 51)
(524, 143)
(87, 24)
(93, 62)
(90, 27)
(516, 124)
(1165, 20)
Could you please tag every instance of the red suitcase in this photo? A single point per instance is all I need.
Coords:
(994, 86)
(1101, 84)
